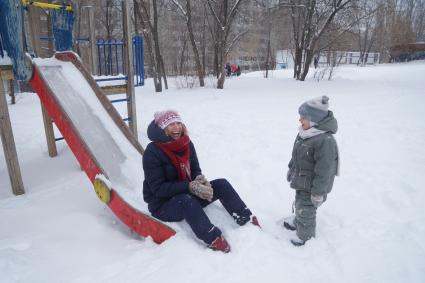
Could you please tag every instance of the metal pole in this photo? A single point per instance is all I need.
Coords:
(128, 41)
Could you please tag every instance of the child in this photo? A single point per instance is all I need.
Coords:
(313, 166)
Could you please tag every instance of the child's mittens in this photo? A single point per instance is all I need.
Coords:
(317, 200)
(289, 175)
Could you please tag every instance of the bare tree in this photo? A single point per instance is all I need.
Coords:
(366, 22)
(187, 16)
(182, 55)
(399, 22)
(268, 22)
(223, 14)
(269, 31)
(310, 21)
(109, 18)
(419, 20)
(149, 25)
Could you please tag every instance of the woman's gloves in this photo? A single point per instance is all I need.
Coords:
(201, 178)
(201, 188)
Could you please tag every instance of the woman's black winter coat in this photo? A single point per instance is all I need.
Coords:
(161, 178)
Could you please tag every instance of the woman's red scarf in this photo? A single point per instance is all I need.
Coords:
(178, 151)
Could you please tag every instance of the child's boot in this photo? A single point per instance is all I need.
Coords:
(289, 223)
(296, 241)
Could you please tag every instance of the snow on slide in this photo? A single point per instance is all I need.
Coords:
(116, 155)
(119, 159)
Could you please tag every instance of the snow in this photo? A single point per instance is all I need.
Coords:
(5, 60)
(371, 228)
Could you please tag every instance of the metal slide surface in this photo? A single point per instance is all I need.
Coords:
(95, 127)
(97, 139)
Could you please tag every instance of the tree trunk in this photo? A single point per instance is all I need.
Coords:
(150, 32)
(308, 58)
(216, 67)
(135, 8)
(204, 45)
(163, 73)
(269, 30)
(297, 62)
(156, 44)
(221, 79)
(307, 33)
(223, 19)
(78, 33)
(199, 68)
(180, 70)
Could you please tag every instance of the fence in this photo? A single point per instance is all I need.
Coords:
(285, 59)
(347, 58)
(111, 59)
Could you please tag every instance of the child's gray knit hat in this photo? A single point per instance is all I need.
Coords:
(315, 109)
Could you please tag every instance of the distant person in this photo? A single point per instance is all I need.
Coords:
(316, 62)
(228, 70)
(234, 68)
(313, 166)
(238, 71)
(175, 188)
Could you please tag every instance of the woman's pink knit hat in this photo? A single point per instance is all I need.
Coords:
(165, 118)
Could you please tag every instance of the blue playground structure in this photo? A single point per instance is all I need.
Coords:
(12, 42)
(62, 23)
(110, 52)
(110, 59)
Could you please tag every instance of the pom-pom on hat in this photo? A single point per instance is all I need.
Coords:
(315, 109)
(165, 118)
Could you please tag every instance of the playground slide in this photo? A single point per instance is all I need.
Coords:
(102, 143)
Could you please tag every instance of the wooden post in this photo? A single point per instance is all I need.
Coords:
(92, 38)
(50, 42)
(12, 92)
(9, 147)
(128, 42)
(48, 129)
(33, 22)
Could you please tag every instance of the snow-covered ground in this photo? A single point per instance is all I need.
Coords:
(371, 229)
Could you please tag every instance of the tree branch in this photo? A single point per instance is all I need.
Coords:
(181, 9)
(215, 15)
(235, 39)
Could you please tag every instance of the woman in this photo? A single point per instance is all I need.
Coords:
(313, 166)
(175, 188)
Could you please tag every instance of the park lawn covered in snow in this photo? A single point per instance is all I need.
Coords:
(371, 229)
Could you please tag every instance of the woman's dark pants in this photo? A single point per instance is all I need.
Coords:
(190, 208)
